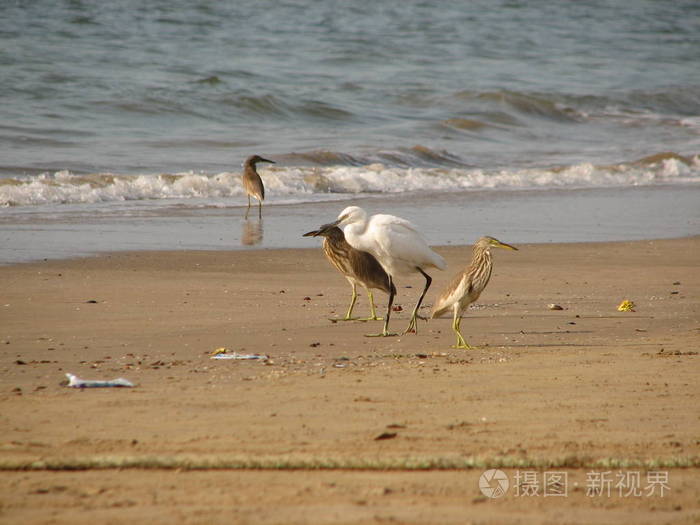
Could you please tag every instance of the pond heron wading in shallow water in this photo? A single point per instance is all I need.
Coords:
(357, 266)
(467, 285)
(252, 182)
(398, 247)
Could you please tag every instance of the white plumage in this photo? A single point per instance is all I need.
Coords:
(396, 244)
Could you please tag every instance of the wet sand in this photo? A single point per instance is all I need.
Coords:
(295, 439)
(33, 233)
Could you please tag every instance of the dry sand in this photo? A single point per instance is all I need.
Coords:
(584, 390)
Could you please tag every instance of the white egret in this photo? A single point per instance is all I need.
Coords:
(398, 247)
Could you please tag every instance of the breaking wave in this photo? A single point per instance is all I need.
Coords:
(300, 184)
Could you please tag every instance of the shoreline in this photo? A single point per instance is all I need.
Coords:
(263, 249)
(518, 217)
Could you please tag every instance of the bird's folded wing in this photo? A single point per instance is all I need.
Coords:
(450, 295)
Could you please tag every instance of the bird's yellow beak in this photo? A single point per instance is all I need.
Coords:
(500, 244)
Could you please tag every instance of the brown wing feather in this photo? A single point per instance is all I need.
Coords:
(368, 270)
(442, 305)
(354, 263)
(477, 276)
(253, 184)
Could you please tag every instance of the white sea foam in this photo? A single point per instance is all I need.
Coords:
(691, 122)
(299, 184)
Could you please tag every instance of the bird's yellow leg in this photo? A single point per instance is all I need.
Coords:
(385, 333)
(412, 325)
(461, 343)
(373, 311)
(348, 315)
(385, 330)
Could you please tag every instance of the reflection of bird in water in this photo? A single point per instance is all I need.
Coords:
(252, 233)
(252, 182)
(357, 267)
(467, 285)
(398, 247)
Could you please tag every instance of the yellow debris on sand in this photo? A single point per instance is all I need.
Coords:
(626, 306)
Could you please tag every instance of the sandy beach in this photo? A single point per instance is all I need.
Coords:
(338, 428)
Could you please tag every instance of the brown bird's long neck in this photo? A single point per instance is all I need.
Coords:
(337, 252)
(480, 267)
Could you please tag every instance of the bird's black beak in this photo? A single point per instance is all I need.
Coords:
(266, 160)
(327, 227)
(322, 229)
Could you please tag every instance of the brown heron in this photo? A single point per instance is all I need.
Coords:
(398, 247)
(467, 285)
(357, 267)
(252, 182)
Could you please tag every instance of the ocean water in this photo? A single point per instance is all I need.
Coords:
(116, 113)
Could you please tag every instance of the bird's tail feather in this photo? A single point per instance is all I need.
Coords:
(439, 262)
(439, 312)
